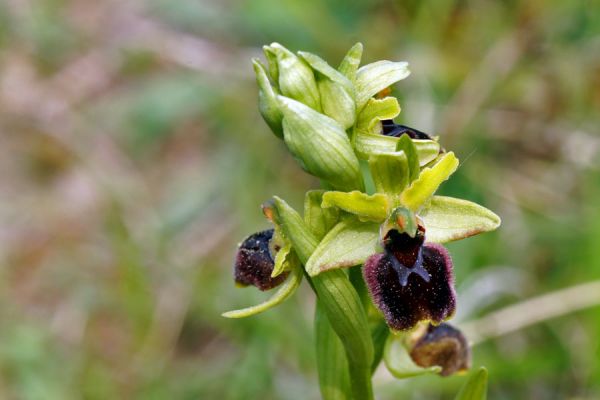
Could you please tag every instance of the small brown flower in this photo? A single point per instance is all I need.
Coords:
(254, 262)
(442, 345)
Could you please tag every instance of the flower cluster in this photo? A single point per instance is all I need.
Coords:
(381, 213)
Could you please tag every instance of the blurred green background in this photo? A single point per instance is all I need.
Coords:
(133, 160)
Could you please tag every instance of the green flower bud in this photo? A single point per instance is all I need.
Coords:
(320, 144)
(336, 91)
(267, 100)
(296, 79)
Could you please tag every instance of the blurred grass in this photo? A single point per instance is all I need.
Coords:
(133, 160)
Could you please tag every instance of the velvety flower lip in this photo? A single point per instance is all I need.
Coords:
(411, 281)
(390, 128)
(254, 262)
(442, 345)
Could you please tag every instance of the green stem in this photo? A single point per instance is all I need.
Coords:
(332, 363)
(339, 300)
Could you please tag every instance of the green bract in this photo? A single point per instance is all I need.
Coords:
(336, 126)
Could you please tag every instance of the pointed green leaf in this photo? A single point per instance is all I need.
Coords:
(398, 361)
(296, 78)
(447, 219)
(349, 243)
(282, 260)
(351, 61)
(373, 78)
(320, 144)
(292, 227)
(332, 364)
(267, 100)
(376, 110)
(428, 182)
(366, 144)
(406, 144)
(379, 334)
(319, 220)
(285, 290)
(366, 207)
(390, 172)
(476, 386)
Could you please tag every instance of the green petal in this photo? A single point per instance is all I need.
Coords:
(368, 143)
(375, 111)
(476, 386)
(447, 219)
(351, 61)
(428, 182)
(349, 243)
(390, 172)
(285, 290)
(282, 260)
(366, 207)
(398, 361)
(319, 220)
(296, 78)
(320, 144)
(373, 78)
(267, 100)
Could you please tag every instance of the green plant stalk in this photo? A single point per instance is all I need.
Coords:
(340, 302)
(332, 363)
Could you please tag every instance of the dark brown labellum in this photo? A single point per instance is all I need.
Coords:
(411, 282)
(390, 128)
(442, 345)
(254, 262)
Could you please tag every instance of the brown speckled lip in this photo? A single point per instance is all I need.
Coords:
(254, 262)
(404, 294)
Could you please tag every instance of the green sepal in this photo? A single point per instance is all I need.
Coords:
(283, 292)
(267, 100)
(376, 110)
(332, 364)
(319, 220)
(336, 91)
(282, 260)
(373, 78)
(320, 144)
(447, 219)
(366, 144)
(296, 79)
(406, 144)
(348, 243)
(428, 182)
(390, 172)
(351, 61)
(291, 226)
(366, 207)
(475, 388)
(398, 361)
